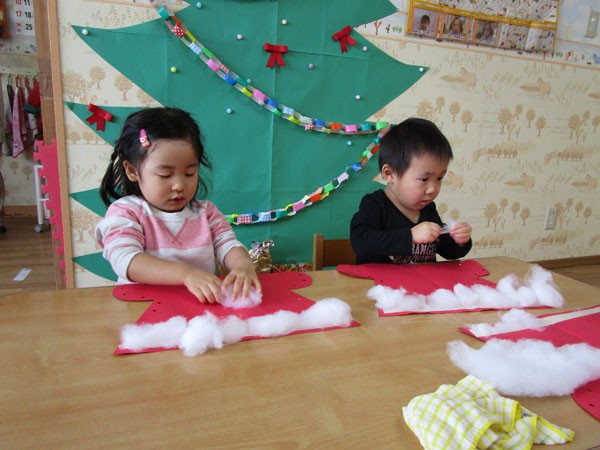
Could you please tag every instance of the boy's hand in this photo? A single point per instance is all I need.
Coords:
(425, 232)
(461, 232)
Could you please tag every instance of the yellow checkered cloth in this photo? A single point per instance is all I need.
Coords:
(472, 415)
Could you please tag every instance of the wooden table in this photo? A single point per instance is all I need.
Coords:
(63, 389)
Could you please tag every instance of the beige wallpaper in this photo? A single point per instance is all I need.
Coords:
(17, 59)
(524, 128)
(525, 136)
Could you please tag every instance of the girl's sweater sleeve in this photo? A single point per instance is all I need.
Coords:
(120, 236)
(222, 234)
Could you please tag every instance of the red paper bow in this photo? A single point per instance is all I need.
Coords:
(343, 36)
(99, 116)
(276, 54)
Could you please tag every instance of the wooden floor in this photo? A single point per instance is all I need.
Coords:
(23, 248)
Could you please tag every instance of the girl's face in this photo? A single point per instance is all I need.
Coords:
(455, 26)
(417, 187)
(168, 177)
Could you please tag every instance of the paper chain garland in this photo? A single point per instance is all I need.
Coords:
(283, 111)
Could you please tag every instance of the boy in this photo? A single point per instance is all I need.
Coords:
(400, 224)
(424, 23)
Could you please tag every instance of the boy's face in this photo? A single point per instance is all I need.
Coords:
(417, 187)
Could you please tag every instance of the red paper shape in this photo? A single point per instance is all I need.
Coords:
(344, 38)
(171, 301)
(276, 56)
(588, 397)
(585, 328)
(576, 330)
(98, 117)
(421, 279)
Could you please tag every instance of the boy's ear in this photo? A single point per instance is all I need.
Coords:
(387, 173)
(130, 171)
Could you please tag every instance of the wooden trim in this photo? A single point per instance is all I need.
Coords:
(568, 262)
(57, 92)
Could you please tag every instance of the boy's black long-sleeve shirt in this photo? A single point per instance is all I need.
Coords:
(380, 233)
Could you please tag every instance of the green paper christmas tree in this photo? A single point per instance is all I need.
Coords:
(262, 161)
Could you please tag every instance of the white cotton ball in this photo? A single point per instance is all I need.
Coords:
(202, 333)
(390, 299)
(489, 296)
(234, 329)
(542, 283)
(467, 297)
(507, 285)
(158, 335)
(413, 302)
(327, 313)
(529, 367)
(443, 299)
(277, 324)
(515, 319)
(538, 274)
(384, 296)
(524, 296)
(253, 299)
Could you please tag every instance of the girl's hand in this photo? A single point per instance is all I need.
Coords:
(242, 272)
(242, 278)
(461, 232)
(204, 285)
(425, 232)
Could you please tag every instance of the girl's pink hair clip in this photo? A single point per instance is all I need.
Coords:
(144, 139)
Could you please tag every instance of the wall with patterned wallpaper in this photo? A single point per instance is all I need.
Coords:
(525, 129)
(17, 65)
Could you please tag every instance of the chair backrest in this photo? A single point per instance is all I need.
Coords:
(331, 252)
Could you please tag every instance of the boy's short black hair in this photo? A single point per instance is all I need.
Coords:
(412, 138)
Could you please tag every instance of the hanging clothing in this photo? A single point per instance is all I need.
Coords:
(2, 196)
(20, 127)
(8, 96)
(33, 108)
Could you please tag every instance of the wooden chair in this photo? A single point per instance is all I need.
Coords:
(331, 252)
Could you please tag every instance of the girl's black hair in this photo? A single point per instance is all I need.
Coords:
(159, 123)
(412, 138)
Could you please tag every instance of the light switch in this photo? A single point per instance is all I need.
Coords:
(592, 25)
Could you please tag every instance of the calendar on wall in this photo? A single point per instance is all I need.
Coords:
(3, 23)
(22, 18)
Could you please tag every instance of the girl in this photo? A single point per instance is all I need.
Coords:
(156, 231)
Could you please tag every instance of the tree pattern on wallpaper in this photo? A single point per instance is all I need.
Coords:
(262, 162)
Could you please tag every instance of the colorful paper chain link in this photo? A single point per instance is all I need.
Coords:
(283, 111)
